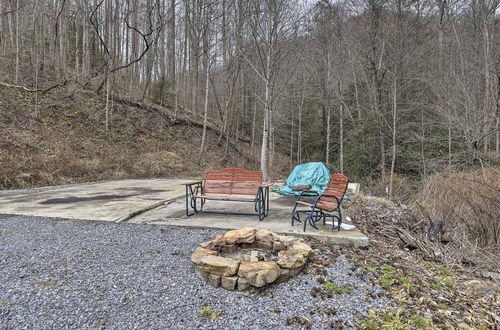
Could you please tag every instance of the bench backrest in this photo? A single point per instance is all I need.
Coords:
(337, 186)
(232, 181)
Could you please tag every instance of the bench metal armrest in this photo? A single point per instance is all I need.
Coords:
(190, 183)
(266, 184)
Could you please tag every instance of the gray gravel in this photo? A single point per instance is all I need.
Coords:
(89, 274)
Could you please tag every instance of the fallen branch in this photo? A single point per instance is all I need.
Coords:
(36, 90)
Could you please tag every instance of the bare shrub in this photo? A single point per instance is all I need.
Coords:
(466, 207)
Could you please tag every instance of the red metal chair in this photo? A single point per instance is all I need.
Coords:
(326, 205)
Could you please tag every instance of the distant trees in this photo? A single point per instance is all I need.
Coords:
(372, 87)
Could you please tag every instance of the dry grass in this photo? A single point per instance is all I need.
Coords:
(65, 141)
(467, 204)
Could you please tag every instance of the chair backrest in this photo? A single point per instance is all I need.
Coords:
(337, 186)
(232, 181)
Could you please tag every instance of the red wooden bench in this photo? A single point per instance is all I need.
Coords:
(231, 184)
(326, 205)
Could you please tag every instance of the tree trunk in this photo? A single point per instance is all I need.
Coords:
(205, 111)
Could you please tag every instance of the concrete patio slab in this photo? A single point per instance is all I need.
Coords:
(278, 220)
(131, 201)
(106, 201)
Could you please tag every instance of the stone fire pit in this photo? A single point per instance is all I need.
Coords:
(249, 257)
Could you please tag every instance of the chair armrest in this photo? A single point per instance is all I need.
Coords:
(190, 183)
(309, 192)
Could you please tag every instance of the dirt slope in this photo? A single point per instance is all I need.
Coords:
(64, 140)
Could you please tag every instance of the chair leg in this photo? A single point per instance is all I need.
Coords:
(310, 220)
(340, 219)
(295, 214)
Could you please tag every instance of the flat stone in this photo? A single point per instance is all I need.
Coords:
(299, 247)
(254, 255)
(219, 240)
(278, 246)
(199, 253)
(264, 245)
(210, 245)
(287, 240)
(243, 235)
(229, 283)
(219, 265)
(286, 274)
(228, 248)
(249, 246)
(242, 284)
(214, 280)
(291, 259)
(201, 273)
(259, 273)
(264, 235)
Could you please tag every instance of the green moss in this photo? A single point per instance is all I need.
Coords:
(391, 276)
(334, 288)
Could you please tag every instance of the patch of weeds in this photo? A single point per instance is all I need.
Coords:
(393, 320)
(46, 283)
(437, 287)
(448, 282)
(387, 269)
(442, 307)
(440, 268)
(422, 322)
(208, 312)
(443, 270)
(334, 288)
(301, 321)
(368, 268)
(391, 276)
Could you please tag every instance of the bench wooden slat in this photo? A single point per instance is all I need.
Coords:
(236, 198)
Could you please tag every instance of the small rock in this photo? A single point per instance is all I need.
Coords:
(229, 283)
(264, 245)
(278, 246)
(228, 248)
(492, 275)
(291, 259)
(287, 240)
(219, 265)
(254, 255)
(219, 240)
(214, 280)
(299, 247)
(210, 245)
(264, 235)
(199, 253)
(242, 284)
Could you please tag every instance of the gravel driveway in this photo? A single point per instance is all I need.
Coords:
(89, 274)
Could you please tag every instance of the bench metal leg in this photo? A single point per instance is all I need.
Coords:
(192, 202)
